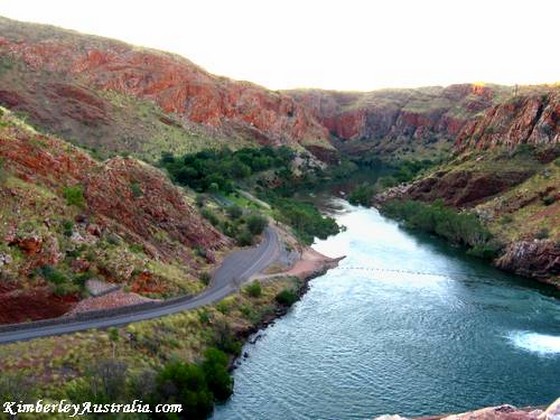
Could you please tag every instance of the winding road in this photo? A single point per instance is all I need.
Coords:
(235, 269)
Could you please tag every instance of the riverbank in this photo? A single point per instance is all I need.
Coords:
(309, 265)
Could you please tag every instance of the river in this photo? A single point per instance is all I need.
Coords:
(405, 324)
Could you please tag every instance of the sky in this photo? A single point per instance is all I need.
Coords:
(330, 44)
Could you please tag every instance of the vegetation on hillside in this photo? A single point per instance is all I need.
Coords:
(463, 228)
(182, 358)
(269, 172)
(218, 170)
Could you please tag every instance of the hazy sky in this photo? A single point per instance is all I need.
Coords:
(332, 44)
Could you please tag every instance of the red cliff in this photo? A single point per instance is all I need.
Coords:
(79, 73)
(399, 119)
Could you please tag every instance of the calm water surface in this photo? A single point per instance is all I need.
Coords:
(404, 325)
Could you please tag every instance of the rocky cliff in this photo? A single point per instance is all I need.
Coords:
(67, 218)
(112, 96)
(527, 118)
(400, 121)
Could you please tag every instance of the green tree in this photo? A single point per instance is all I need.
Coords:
(184, 383)
(256, 224)
(219, 381)
(254, 289)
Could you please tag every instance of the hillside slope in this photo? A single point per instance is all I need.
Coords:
(506, 169)
(67, 218)
(114, 97)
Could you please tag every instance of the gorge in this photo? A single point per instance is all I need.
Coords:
(405, 323)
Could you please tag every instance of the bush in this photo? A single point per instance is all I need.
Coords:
(307, 221)
(196, 386)
(548, 200)
(254, 289)
(74, 196)
(256, 224)
(234, 212)
(185, 383)
(361, 195)
(286, 297)
(215, 368)
(211, 217)
(67, 227)
(52, 275)
(244, 238)
(205, 278)
(543, 233)
(3, 173)
(136, 189)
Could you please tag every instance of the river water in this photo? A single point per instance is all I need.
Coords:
(404, 325)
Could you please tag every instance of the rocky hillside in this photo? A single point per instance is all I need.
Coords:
(67, 218)
(401, 122)
(515, 190)
(528, 118)
(114, 97)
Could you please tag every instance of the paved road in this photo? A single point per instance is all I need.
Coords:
(235, 269)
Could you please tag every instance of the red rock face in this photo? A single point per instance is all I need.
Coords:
(531, 119)
(539, 259)
(384, 119)
(175, 84)
(156, 204)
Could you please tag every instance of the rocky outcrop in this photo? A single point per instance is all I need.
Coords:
(532, 118)
(464, 188)
(501, 412)
(538, 259)
(457, 188)
(79, 74)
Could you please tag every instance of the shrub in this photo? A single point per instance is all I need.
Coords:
(548, 200)
(508, 218)
(223, 307)
(205, 278)
(186, 383)
(64, 289)
(74, 196)
(3, 173)
(67, 227)
(52, 275)
(244, 238)
(234, 212)
(361, 195)
(543, 233)
(136, 189)
(210, 216)
(254, 289)
(200, 252)
(219, 382)
(225, 339)
(307, 221)
(256, 224)
(286, 297)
